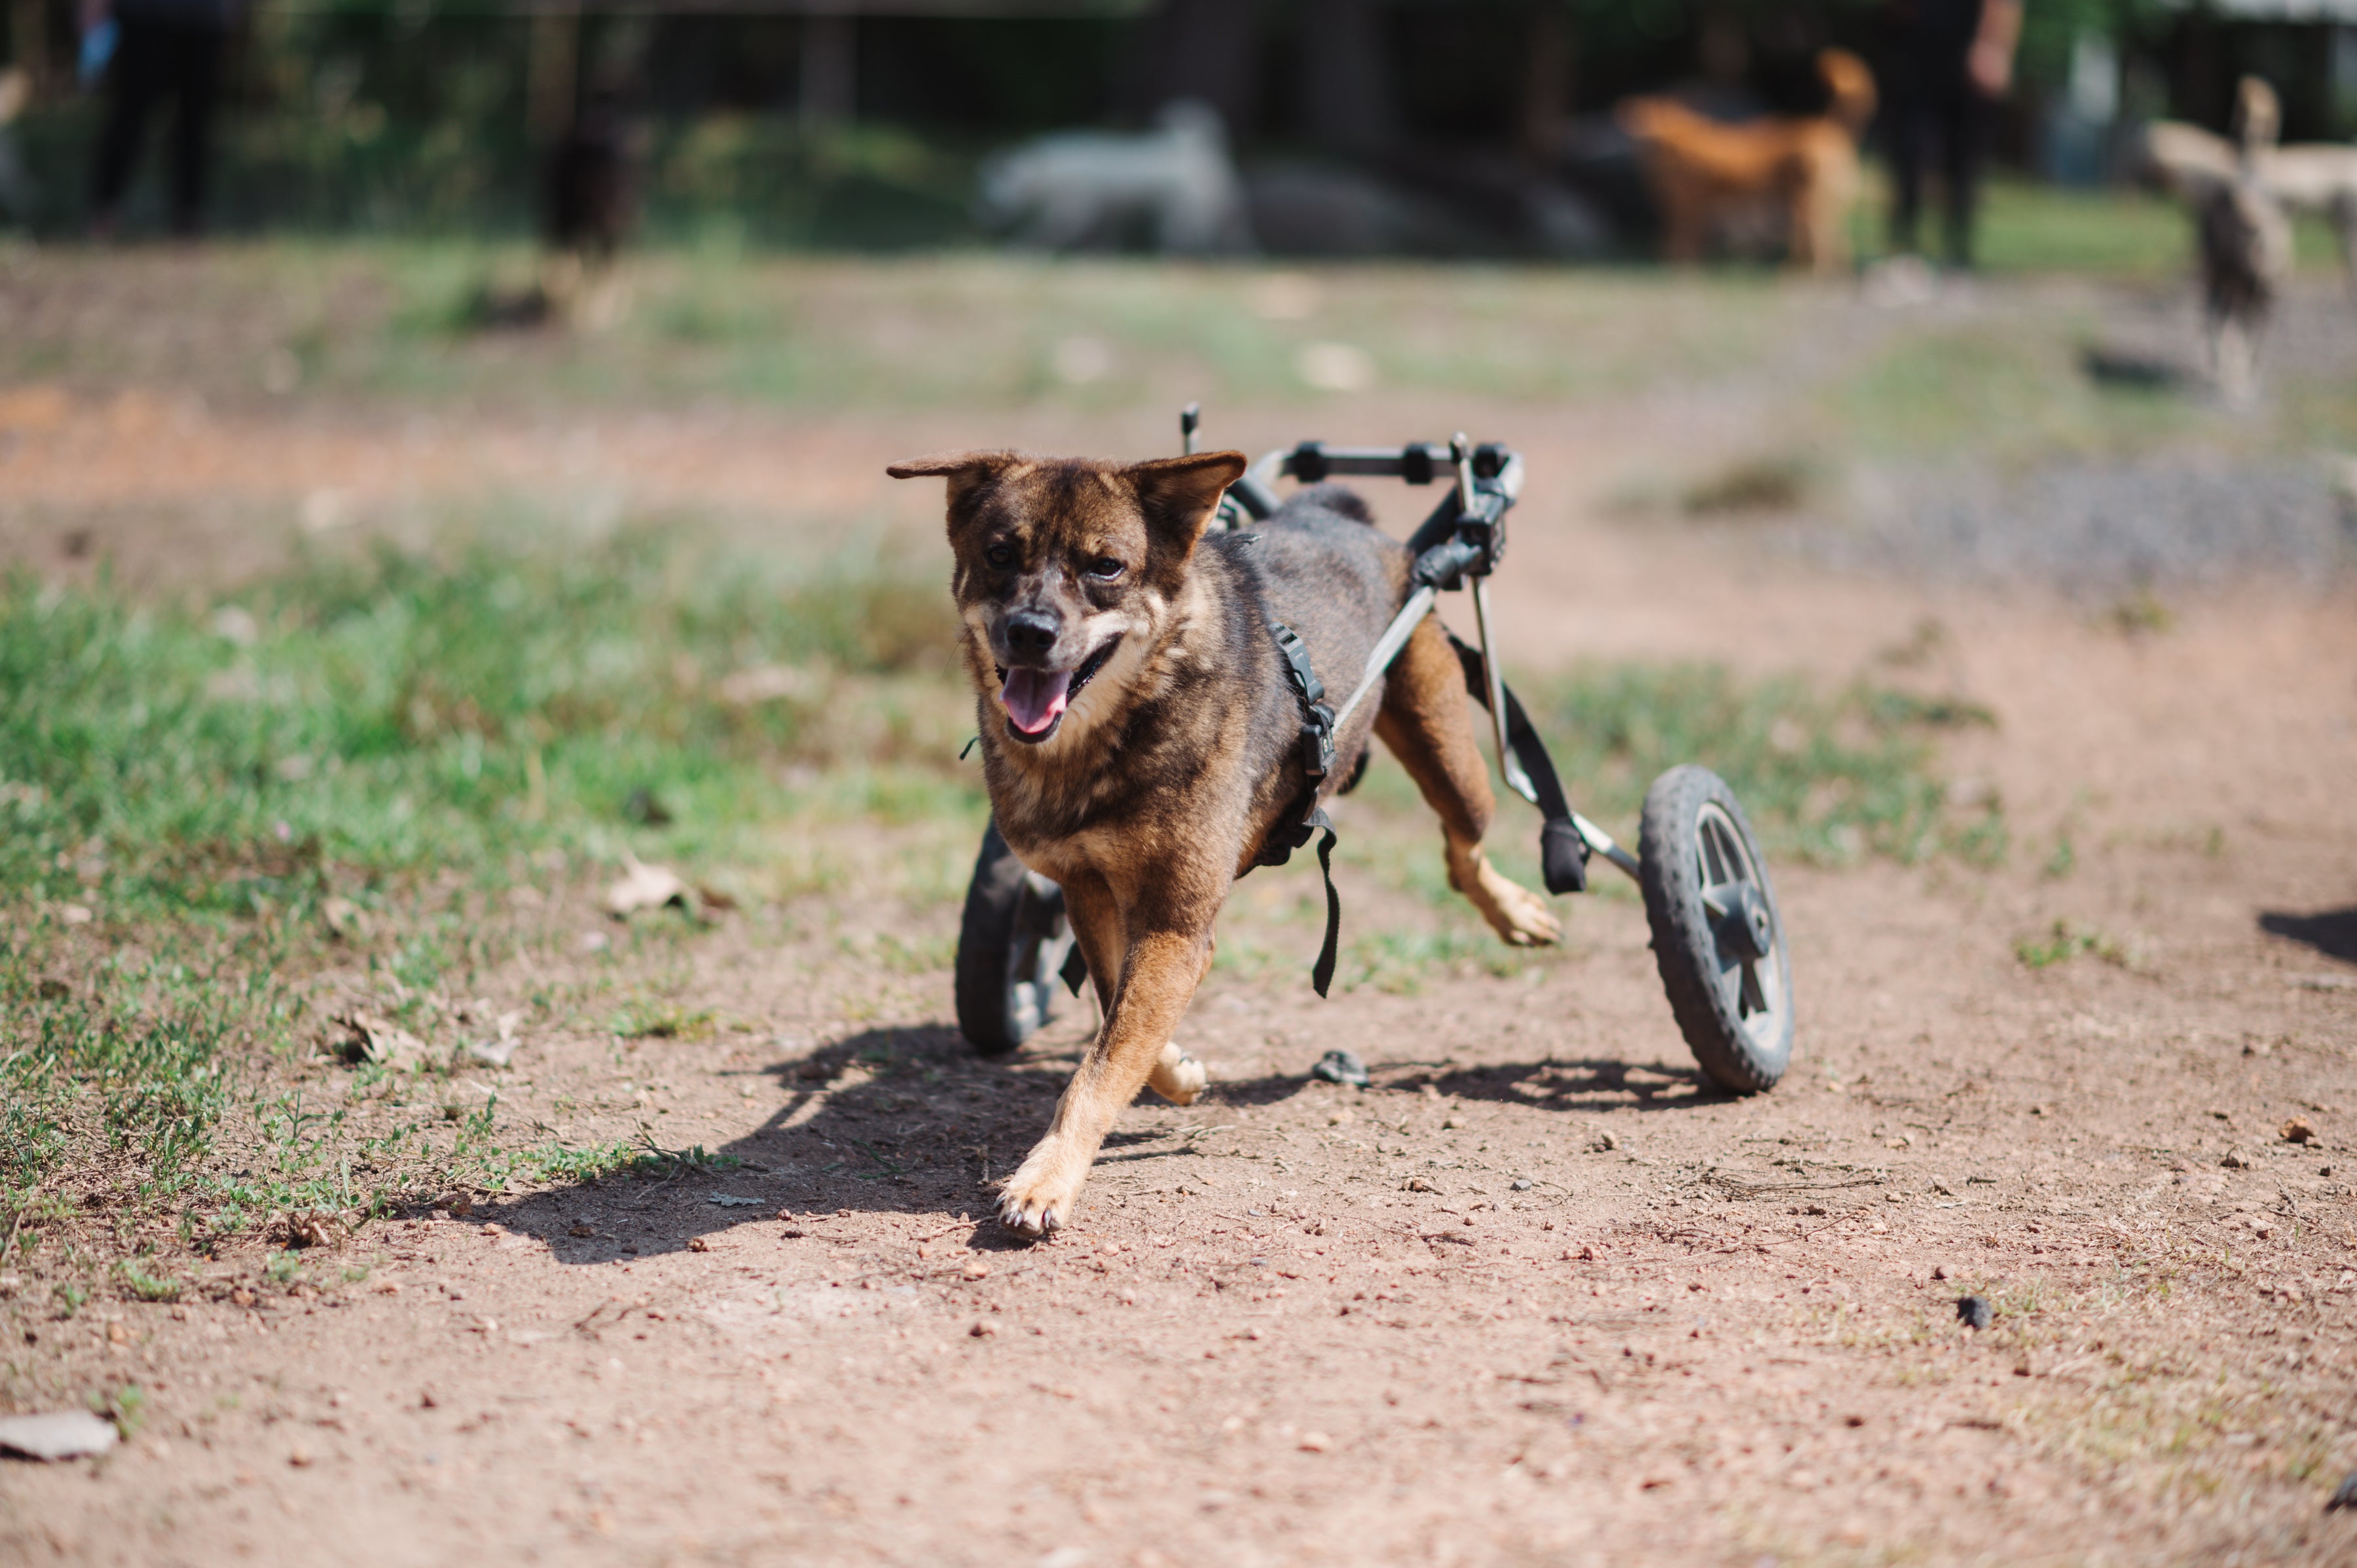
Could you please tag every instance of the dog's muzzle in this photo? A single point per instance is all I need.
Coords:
(1036, 700)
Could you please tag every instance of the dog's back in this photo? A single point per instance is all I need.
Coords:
(1327, 571)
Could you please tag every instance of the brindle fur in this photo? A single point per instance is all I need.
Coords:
(1163, 779)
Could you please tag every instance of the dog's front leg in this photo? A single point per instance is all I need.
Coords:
(1157, 978)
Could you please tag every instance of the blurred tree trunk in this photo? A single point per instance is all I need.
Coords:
(1199, 48)
(1546, 79)
(1347, 102)
(28, 44)
(830, 69)
(552, 72)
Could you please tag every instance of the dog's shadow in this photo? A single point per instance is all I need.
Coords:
(910, 1121)
(2332, 932)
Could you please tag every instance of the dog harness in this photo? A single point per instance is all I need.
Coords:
(1304, 819)
(1563, 852)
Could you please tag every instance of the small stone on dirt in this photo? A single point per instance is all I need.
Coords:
(2344, 1496)
(583, 1230)
(644, 887)
(976, 1269)
(1342, 1066)
(983, 1330)
(1521, 1184)
(698, 1244)
(2235, 1160)
(1605, 1142)
(1418, 1184)
(1973, 1311)
(731, 1200)
(1314, 1443)
(489, 1053)
(58, 1435)
(2299, 1129)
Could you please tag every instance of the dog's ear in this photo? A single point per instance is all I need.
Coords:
(964, 470)
(1179, 494)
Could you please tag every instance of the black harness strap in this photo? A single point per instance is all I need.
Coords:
(1304, 819)
(1563, 852)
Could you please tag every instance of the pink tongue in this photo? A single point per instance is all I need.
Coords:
(1034, 697)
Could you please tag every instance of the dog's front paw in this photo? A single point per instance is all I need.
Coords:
(1178, 1077)
(1039, 1197)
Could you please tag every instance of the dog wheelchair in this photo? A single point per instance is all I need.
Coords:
(1717, 939)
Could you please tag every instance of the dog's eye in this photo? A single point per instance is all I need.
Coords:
(999, 554)
(1105, 568)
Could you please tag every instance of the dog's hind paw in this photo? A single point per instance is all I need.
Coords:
(1520, 917)
(1178, 1077)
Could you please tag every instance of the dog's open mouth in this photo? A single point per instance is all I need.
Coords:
(1036, 699)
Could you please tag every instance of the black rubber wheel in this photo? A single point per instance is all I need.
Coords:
(1717, 937)
(1012, 946)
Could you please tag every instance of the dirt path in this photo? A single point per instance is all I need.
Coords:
(1533, 1297)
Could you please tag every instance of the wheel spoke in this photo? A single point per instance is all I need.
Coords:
(1750, 995)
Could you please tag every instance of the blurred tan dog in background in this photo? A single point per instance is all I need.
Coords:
(1792, 177)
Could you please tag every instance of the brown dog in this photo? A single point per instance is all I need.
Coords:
(1138, 734)
(1795, 175)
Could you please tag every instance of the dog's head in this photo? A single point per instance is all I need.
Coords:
(1062, 564)
(1849, 86)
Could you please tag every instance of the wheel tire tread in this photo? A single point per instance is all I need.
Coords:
(985, 930)
(1719, 1043)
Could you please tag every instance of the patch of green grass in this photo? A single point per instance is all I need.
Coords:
(2065, 940)
(147, 1286)
(1829, 776)
(2117, 232)
(2047, 229)
(185, 788)
(663, 1021)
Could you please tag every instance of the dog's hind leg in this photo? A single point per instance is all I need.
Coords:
(1426, 722)
(1178, 1077)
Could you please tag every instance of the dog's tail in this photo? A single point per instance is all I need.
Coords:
(1852, 86)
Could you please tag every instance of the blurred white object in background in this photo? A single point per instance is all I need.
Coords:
(1175, 185)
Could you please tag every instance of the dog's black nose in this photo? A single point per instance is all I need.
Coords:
(1032, 631)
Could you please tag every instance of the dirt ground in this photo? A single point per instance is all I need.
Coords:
(1535, 1296)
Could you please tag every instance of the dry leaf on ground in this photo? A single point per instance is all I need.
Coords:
(364, 1036)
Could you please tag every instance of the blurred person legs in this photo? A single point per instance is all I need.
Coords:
(16, 192)
(1949, 129)
(1949, 62)
(159, 58)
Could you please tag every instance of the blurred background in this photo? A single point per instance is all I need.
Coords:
(1360, 126)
